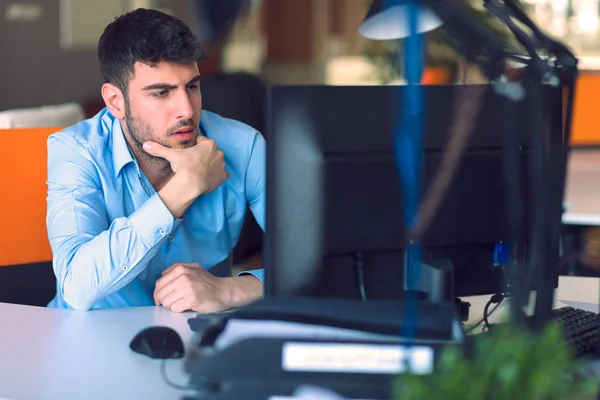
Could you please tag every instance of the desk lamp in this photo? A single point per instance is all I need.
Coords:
(548, 62)
(394, 19)
(387, 20)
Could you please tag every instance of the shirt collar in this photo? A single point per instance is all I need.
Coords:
(120, 150)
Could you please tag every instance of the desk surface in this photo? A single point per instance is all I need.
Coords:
(60, 354)
(582, 188)
(53, 354)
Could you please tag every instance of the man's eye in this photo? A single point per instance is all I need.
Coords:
(160, 93)
(194, 87)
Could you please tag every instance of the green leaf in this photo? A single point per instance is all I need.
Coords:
(508, 363)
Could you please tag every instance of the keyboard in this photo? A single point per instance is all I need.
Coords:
(581, 329)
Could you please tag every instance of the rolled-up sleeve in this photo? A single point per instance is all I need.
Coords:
(93, 258)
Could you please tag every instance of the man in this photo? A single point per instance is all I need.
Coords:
(146, 199)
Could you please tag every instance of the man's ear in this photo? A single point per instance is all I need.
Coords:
(114, 100)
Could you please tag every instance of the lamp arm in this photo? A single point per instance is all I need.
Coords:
(563, 66)
(565, 63)
(540, 67)
(475, 42)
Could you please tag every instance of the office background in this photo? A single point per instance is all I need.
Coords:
(48, 47)
(49, 77)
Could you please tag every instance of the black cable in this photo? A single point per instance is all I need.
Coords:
(163, 373)
(497, 299)
(486, 324)
(481, 321)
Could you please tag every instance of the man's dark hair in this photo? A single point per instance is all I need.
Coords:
(147, 36)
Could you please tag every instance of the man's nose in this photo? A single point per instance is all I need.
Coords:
(185, 109)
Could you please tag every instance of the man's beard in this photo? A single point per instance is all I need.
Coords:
(141, 132)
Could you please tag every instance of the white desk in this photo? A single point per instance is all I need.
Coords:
(60, 354)
(55, 354)
(582, 188)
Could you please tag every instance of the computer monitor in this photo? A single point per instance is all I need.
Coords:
(334, 205)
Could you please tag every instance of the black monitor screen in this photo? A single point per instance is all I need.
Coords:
(334, 200)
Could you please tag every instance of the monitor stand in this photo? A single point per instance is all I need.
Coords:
(436, 279)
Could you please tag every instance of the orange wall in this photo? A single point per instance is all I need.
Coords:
(586, 110)
(23, 173)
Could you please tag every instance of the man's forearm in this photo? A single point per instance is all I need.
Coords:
(88, 270)
(176, 197)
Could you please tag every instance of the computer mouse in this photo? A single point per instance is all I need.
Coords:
(158, 342)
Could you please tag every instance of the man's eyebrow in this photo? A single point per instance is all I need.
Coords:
(167, 86)
(155, 86)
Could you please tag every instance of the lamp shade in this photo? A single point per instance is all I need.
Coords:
(387, 20)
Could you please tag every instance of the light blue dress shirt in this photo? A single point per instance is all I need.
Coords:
(110, 233)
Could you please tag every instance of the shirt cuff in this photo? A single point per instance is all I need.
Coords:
(152, 221)
(259, 273)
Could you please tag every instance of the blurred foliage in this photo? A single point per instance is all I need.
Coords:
(506, 363)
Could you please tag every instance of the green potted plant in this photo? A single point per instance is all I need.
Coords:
(506, 363)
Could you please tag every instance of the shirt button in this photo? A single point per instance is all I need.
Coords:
(162, 232)
(171, 238)
(125, 267)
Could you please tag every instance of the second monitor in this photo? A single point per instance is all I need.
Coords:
(334, 203)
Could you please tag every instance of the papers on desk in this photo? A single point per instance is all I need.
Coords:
(237, 330)
(356, 358)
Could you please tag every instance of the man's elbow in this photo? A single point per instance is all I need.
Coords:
(75, 298)
(80, 306)
(78, 303)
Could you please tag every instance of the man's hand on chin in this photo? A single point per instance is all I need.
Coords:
(188, 286)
